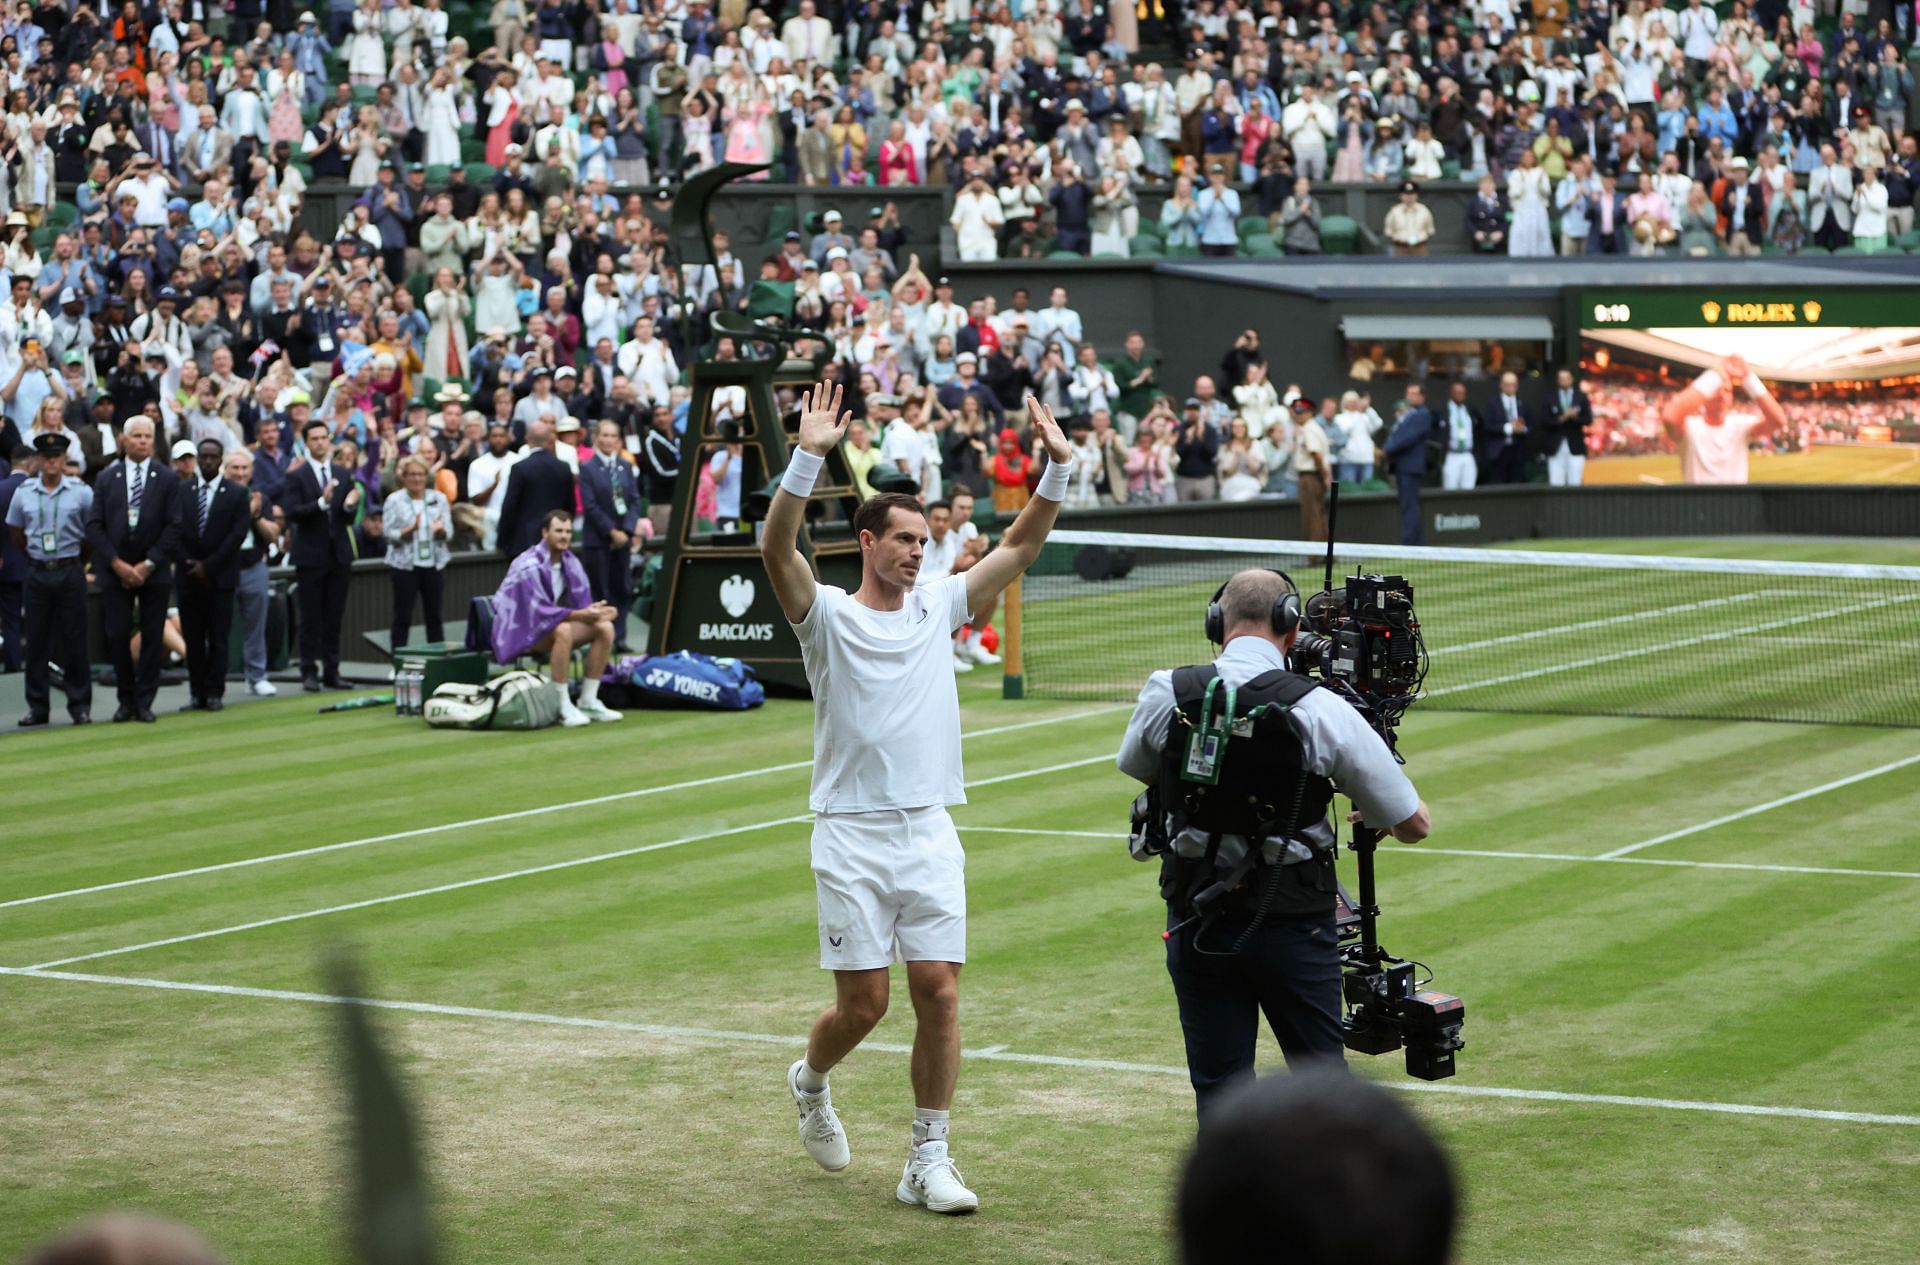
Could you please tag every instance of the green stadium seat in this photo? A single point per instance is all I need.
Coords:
(1145, 244)
(1449, 170)
(479, 173)
(780, 221)
(63, 214)
(1848, 250)
(1183, 252)
(1339, 235)
(1261, 246)
(1065, 254)
(1909, 240)
(1248, 225)
(437, 173)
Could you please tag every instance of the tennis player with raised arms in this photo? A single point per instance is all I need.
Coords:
(889, 872)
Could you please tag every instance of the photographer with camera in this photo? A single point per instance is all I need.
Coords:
(1242, 758)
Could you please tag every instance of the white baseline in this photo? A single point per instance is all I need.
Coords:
(990, 1054)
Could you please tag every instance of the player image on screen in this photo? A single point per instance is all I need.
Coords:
(1713, 428)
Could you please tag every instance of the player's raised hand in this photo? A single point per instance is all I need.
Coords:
(1051, 437)
(819, 407)
(1735, 367)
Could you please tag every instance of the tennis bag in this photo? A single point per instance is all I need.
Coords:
(687, 678)
(516, 700)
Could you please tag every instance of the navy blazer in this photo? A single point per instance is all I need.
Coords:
(228, 519)
(156, 539)
(1599, 243)
(1407, 445)
(13, 560)
(596, 501)
(322, 531)
(539, 484)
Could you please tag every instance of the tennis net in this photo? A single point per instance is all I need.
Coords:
(1577, 633)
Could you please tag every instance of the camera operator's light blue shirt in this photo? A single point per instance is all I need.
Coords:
(1334, 738)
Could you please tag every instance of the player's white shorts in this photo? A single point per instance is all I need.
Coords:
(892, 886)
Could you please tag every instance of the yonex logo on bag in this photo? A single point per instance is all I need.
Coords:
(663, 680)
(736, 594)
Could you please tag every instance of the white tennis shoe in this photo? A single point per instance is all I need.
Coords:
(820, 1127)
(932, 1182)
(960, 661)
(977, 651)
(570, 716)
(597, 710)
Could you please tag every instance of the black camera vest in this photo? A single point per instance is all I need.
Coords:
(1235, 796)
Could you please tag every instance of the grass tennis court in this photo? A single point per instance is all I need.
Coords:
(1701, 1049)
(1822, 464)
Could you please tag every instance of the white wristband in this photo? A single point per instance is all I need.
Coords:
(1755, 387)
(802, 470)
(1053, 481)
(1708, 383)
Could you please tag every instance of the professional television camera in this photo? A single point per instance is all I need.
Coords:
(1365, 643)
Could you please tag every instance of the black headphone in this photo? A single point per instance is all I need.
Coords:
(1285, 615)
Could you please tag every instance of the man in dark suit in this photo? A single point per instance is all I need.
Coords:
(320, 499)
(134, 528)
(1504, 439)
(1607, 229)
(13, 568)
(611, 504)
(213, 527)
(1407, 449)
(1564, 434)
(541, 482)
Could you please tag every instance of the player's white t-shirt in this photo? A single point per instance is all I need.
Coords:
(1716, 454)
(886, 716)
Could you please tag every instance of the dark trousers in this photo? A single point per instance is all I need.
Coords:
(1411, 531)
(429, 585)
(323, 604)
(12, 603)
(610, 576)
(55, 605)
(125, 612)
(206, 621)
(1288, 970)
(1502, 465)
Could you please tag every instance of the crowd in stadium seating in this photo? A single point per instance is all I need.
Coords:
(505, 260)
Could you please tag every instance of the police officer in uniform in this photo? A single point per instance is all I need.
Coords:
(1242, 758)
(48, 521)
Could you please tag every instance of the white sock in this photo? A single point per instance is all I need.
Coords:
(929, 1125)
(566, 701)
(589, 691)
(810, 1081)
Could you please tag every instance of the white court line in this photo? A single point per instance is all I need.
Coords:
(1641, 651)
(549, 868)
(990, 1054)
(1495, 854)
(1794, 798)
(512, 816)
(1633, 617)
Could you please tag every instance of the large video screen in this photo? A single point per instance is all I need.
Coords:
(1696, 386)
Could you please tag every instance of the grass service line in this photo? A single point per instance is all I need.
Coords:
(989, 1054)
(528, 872)
(1642, 651)
(1496, 855)
(516, 815)
(1632, 617)
(1794, 798)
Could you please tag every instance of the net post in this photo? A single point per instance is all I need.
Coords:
(1014, 683)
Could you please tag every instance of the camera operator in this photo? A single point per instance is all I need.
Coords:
(1241, 824)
